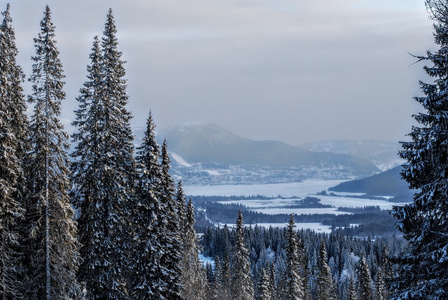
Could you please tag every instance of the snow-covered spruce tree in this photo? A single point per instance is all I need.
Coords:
(104, 172)
(242, 285)
(294, 289)
(148, 221)
(52, 248)
(303, 256)
(13, 135)
(365, 291)
(351, 289)
(324, 279)
(193, 279)
(171, 241)
(181, 208)
(424, 222)
(264, 285)
(381, 292)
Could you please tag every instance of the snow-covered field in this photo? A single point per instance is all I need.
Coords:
(297, 191)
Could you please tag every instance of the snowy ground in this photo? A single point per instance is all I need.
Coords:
(297, 191)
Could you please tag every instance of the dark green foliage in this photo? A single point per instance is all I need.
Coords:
(424, 222)
(104, 171)
(242, 285)
(52, 248)
(148, 221)
(13, 131)
(171, 240)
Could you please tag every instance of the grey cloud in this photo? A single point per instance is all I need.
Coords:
(289, 70)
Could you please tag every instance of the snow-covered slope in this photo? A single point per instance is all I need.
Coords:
(384, 154)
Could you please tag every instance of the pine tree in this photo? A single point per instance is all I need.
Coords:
(294, 288)
(13, 130)
(217, 283)
(264, 288)
(53, 247)
(193, 279)
(364, 279)
(242, 286)
(181, 210)
(351, 289)
(303, 257)
(171, 240)
(324, 279)
(149, 222)
(104, 171)
(380, 285)
(423, 268)
(226, 278)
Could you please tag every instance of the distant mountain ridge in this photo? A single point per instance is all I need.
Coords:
(388, 183)
(208, 154)
(202, 142)
(384, 154)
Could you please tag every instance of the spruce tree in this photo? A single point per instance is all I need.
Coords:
(264, 288)
(148, 221)
(104, 171)
(351, 289)
(303, 257)
(294, 288)
(193, 279)
(13, 130)
(324, 279)
(52, 248)
(423, 268)
(364, 279)
(171, 241)
(242, 286)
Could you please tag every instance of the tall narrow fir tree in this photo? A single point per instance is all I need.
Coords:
(147, 281)
(53, 248)
(242, 285)
(171, 240)
(104, 172)
(13, 134)
(294, 289)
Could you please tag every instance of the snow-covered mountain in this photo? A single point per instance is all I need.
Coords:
(208, 154)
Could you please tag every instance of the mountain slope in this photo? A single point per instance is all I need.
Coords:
(384, 154)
(388, 183)
(210, 143)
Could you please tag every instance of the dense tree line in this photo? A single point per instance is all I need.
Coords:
(289, 264)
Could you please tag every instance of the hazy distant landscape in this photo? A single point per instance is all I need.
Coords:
(269, 180)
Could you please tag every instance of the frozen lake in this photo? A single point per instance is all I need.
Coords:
(296, 191)
(299, 189)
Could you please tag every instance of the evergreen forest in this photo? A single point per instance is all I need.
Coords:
(106, 220)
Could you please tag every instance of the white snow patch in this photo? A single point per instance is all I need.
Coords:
(180, 160)
(206, 260)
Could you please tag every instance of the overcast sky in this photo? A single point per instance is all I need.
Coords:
(289, 70)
